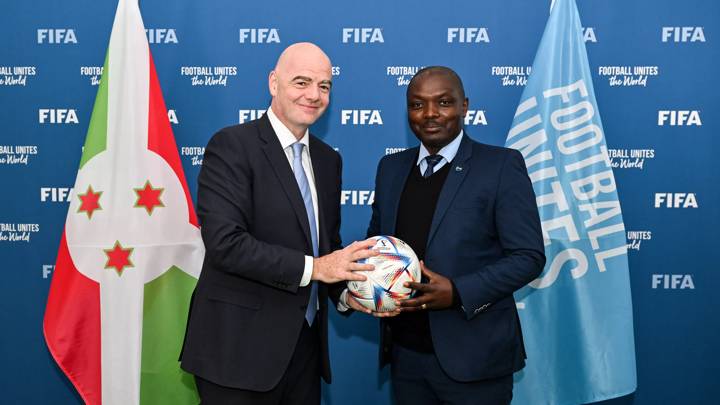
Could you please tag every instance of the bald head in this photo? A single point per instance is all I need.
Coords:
(300, 86)
(302, 54)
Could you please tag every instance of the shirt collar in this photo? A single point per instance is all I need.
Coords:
(448, 151)
(284, 135)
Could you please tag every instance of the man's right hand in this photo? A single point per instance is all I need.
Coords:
(340, 265)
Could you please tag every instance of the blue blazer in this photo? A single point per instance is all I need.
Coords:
(486, 237)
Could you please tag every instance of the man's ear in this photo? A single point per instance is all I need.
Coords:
(273, 83)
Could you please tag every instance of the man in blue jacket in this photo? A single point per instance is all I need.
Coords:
(468, 210)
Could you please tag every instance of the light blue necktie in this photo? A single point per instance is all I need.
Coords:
(304, 185)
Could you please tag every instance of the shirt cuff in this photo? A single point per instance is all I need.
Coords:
(342, 305)
(307, 272)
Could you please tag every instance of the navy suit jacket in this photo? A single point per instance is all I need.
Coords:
(485, 236)
(248, 309)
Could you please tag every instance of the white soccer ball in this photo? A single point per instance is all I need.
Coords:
(396, 264)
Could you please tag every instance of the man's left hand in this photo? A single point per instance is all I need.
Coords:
(352, 303)
(437, 293)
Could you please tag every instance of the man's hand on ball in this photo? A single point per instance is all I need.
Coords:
(437, 293)
(354, 304)
(341, 265)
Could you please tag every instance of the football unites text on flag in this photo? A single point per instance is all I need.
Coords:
(577, 316)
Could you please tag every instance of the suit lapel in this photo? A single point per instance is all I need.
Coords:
(397, 184)
(459, 168)
(279, 162)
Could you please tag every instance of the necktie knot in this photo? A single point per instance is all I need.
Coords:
(297, 149)
(431, 161)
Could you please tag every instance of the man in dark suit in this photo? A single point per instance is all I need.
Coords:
(468, 210)
(269, 207)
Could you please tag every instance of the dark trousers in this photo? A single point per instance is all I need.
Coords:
(299, 385)
(418, 379)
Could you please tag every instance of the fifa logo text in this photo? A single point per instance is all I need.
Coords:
(362, 35)
(683, 34)
(357, 197)
(57, 116)
(675, 200)
(56, 194)
(672, 281)
(475, 117)
(161, 35)
(56, 36)
(468, 35)
(259, 35)
(361, 117)
(249, 115)
(679, 118)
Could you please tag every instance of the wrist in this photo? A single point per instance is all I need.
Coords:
(315, 269)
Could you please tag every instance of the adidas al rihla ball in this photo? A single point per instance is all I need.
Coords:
(396, 264)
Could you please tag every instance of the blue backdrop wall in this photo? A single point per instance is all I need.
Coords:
(654, 65)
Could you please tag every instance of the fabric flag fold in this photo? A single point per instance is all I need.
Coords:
(131, 251)
(577, 316)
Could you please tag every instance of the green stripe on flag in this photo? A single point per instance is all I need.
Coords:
(165, 309)
(96, 139)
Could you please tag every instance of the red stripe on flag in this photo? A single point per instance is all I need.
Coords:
(72, 326)
(161, 139)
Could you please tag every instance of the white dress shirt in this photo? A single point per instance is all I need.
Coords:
(448, 153)
(286, 139)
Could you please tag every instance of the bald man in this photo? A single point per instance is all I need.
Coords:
(269, 207)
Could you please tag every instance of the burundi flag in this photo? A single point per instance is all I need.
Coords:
(131, 252)
(577, 316)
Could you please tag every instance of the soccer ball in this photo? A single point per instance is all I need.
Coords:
(396, 264)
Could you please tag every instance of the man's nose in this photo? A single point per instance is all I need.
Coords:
(312, 93)
(430, 110)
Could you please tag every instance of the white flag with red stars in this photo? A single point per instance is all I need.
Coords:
(131, 250)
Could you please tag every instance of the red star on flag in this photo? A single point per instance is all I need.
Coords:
(118, 258)
(149, 197)
(89, 202)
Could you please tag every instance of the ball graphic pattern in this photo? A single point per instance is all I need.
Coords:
(396, 264)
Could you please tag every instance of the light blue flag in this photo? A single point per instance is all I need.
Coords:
(577, 316)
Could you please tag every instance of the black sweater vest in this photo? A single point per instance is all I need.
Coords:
(415, 212)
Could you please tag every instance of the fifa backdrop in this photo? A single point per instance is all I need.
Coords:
(653, 62)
